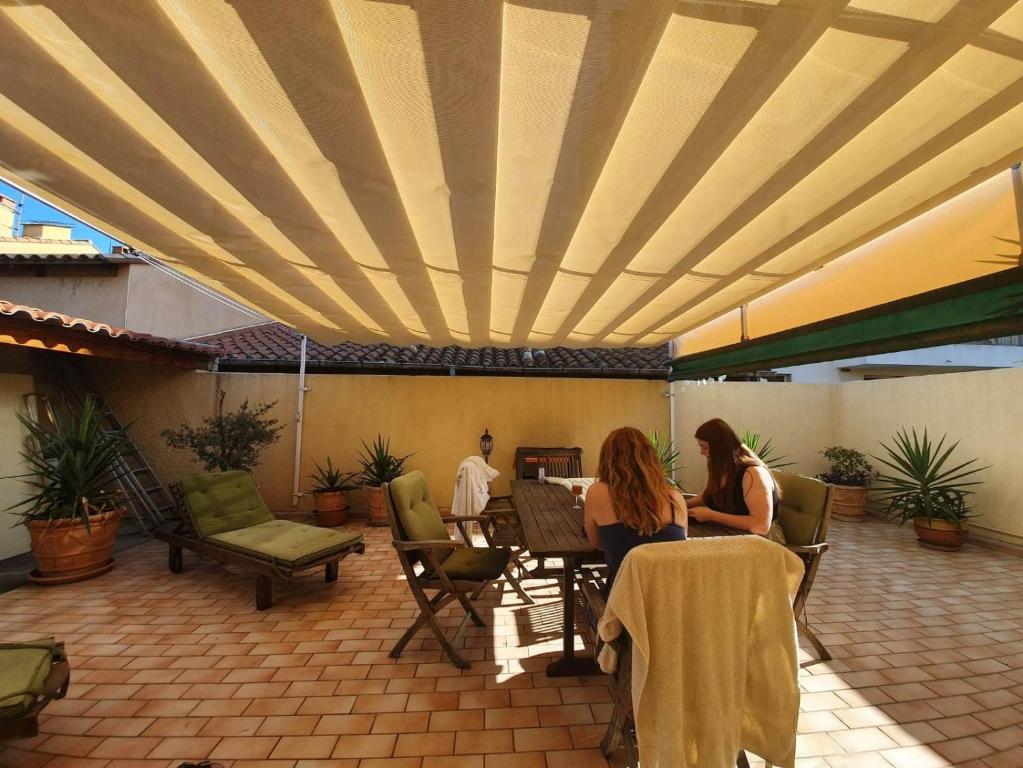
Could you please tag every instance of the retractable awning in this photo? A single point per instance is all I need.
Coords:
(527, 172)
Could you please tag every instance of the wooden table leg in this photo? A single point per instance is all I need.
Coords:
(569, 664)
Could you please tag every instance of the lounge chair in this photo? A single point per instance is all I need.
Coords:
(224, 518)
(32, 674)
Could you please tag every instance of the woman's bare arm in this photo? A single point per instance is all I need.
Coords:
(756, 491)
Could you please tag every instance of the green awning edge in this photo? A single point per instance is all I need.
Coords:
(985, 307)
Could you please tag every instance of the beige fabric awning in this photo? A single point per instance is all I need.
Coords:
(541, 172)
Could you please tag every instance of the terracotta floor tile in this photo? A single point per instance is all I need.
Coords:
(384, 702)
(305, 747)
(542, 739)
(457, 720)
(401, 722)
(345, 724)
(231, 726)
(244, 748)
(190, 748)
(72, 746)
(481, 742)
(117, 747)
(419, 744)
(577, 758)
(453, 761)
(365, 745)
(516, 760)
(288, 725)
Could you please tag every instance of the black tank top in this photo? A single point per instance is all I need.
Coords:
(739, 506)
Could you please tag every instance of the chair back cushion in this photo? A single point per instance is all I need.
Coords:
(805, 504)
(417, 513)
(223, 501)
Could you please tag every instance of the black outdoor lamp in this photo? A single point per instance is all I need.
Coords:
(486, 445)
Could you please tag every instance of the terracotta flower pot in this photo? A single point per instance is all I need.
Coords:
(65, 551)
(849, 502)
(377, 508)
(940, 534)
(331, 508)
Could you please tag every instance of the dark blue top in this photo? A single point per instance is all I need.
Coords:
(618, 538)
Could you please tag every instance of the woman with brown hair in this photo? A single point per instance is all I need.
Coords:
(631, 503)
(741, 492)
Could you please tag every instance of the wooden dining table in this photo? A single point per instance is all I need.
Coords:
(553, 528)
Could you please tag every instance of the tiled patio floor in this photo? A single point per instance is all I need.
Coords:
(928, 670)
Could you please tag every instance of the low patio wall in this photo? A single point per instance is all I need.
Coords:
(980, 408)
(440, 418)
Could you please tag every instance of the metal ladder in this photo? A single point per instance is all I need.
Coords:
(149, 502)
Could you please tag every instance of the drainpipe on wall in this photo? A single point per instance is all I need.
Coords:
(671, 405)
(302, 389)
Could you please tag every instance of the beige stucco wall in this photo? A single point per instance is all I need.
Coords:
(162, 305)
(100, 298)
(798, 418)
(13, 540)
(981, 409)
(438, 418)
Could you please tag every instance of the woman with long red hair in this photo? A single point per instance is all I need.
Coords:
(741, 492)
(631, 503)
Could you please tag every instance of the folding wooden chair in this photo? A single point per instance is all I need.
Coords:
(804, 514)
(32, 674)
(456, 571)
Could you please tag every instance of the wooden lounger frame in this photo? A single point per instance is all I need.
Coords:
(54, 687)
(185, 537)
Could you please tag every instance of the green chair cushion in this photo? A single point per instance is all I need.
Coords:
(803, 507)
(287, 543)
(419, 516)
(219, 502)
(476, 563)
(23, 671)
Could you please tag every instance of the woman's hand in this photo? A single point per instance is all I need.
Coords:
(701, 514)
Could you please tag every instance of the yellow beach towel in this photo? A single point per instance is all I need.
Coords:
(714, 666)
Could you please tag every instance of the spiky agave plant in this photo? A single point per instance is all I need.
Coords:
(764, 449)
(378, 465)
(919, 484)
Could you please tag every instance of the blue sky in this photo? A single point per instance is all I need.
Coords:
(35, 209)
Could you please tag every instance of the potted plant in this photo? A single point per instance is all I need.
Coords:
(918, 486)
(849, 477)
(231, 440)
(764, 449)
(330, 484)
(379, 467)
(73, 515)
(667, 454)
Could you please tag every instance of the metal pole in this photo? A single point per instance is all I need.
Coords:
(671, 405)
(296, 493)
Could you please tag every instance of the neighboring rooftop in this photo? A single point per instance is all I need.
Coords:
(42, 329)
(276, 347)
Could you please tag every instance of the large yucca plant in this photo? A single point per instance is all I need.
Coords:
(667, 454)
(919, 484)
(764, 449)
(73, 463)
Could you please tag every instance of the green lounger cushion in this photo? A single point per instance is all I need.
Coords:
(287, 543)
(419, 516)
(803, 502)
(476, 563)
(219, 502)
(23, 671)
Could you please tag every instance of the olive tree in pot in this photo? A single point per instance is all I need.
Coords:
(228, 440)
(849, 477)
(379, 467)
(922, 484)
(329, 486)
(73, 515)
